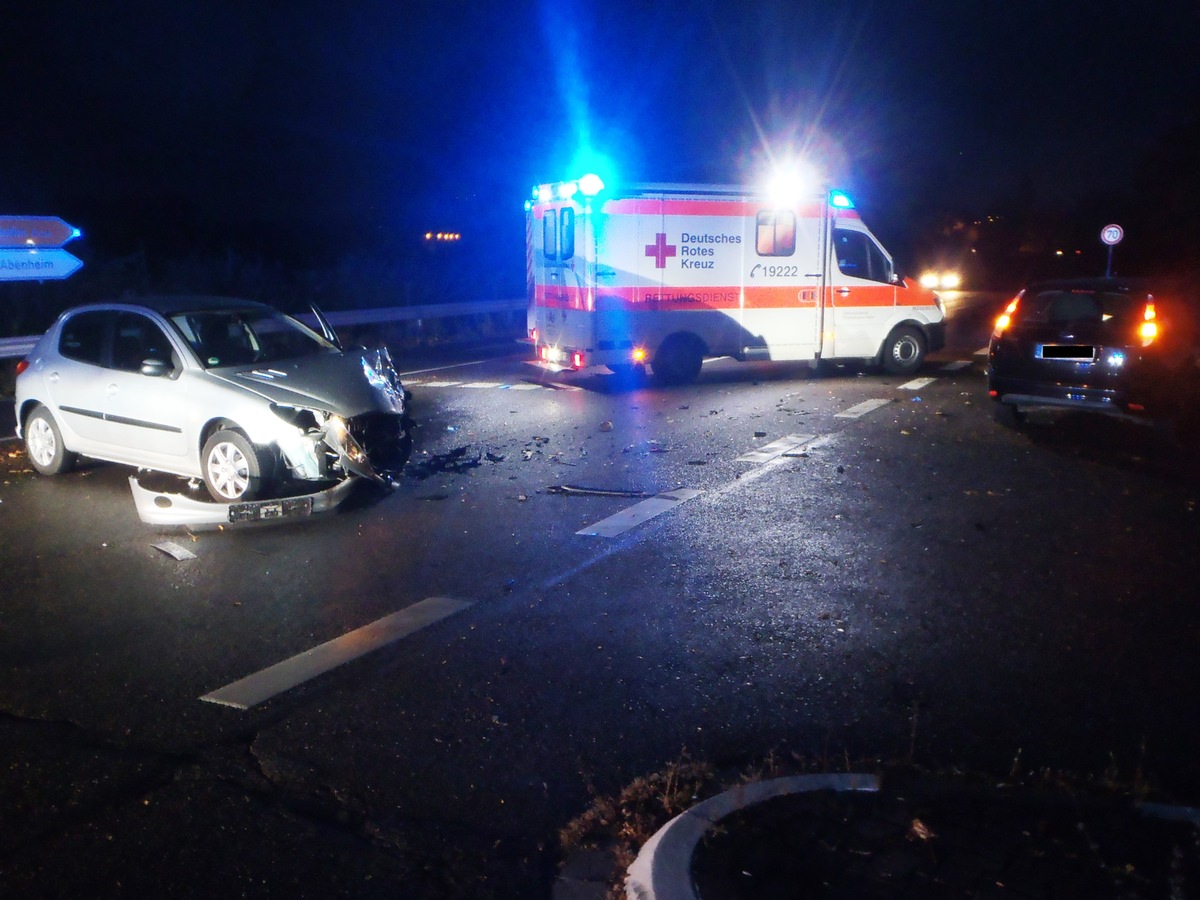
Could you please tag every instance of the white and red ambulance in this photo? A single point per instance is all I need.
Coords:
(669, 274)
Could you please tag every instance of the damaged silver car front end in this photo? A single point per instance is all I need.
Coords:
(375, 445)
(314, 446)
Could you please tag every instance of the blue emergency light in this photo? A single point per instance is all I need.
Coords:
(591, 184)
(840, 200)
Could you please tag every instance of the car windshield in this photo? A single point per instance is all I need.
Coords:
(239, 337)
(1061, 306)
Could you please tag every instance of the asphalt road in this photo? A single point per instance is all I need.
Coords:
(915, 581)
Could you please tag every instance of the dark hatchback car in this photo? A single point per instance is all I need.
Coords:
(1115, 346)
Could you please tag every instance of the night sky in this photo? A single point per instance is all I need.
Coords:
(319, 128)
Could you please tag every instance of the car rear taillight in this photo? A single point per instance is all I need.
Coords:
(1005, 317)
(22, 366)
(1148, 330)
(577, 359)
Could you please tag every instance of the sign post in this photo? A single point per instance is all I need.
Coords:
(1111, 235)
(31, 248)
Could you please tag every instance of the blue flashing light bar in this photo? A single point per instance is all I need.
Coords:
(588, 186)
(840, 200)
(591, 184)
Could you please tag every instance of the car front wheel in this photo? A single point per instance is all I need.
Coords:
(44, 444)
(233, 468)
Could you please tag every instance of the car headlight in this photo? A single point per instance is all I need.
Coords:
(303, 419)
(338, 436)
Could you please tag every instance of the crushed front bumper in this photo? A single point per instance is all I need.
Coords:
(169, 508)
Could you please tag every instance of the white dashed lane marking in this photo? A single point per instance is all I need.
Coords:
(265, 684)
(861, 409)
(638, 513)
(916, 384)
(768, 452)
(957, 365)
(492, 385)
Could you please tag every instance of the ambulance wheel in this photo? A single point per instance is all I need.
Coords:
(903, 351)
(678, 360)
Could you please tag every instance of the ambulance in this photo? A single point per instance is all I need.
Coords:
(668, 275)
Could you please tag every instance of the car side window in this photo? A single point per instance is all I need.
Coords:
(137, 339)
(860, 257)
(82, 336)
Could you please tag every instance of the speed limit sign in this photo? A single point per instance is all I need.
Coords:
(1112, 234)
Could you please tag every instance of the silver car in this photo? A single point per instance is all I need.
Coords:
(230, 391)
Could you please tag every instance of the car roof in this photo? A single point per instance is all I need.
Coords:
(1115, 285)
(172, 304)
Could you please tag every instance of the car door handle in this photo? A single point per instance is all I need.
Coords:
(845, 292)
(111, 389)
(52, 378)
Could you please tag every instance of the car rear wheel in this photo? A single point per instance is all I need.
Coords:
(233, 468)
(1009, 415)
(903, 351)
(44, 444)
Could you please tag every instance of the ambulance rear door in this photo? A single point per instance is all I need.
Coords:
(561, 292)
(782, 283)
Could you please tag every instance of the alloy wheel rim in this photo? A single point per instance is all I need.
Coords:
(228, 471)
(41, 442)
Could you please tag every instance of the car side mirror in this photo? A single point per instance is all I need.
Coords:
(156, 368)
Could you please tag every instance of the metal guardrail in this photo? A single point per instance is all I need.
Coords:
(16, 347)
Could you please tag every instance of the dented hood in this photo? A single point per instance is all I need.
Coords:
(347, 384)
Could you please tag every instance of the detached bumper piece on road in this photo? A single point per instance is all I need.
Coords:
(167, 508)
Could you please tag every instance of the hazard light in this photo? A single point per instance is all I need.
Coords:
(1005, 317)
(1148, 330)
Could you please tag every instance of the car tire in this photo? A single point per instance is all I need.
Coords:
(678, 360)
(903, 351)
(44, 444)
(1009, 415)
(234, 469)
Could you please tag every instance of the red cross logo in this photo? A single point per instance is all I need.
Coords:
(660, 250)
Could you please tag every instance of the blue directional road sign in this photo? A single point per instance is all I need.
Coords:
(35, 231)
(37, 265)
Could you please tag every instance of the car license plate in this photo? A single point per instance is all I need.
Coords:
(263, 510)
(1085, 352)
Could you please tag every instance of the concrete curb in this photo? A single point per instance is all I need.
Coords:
(662, 870)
